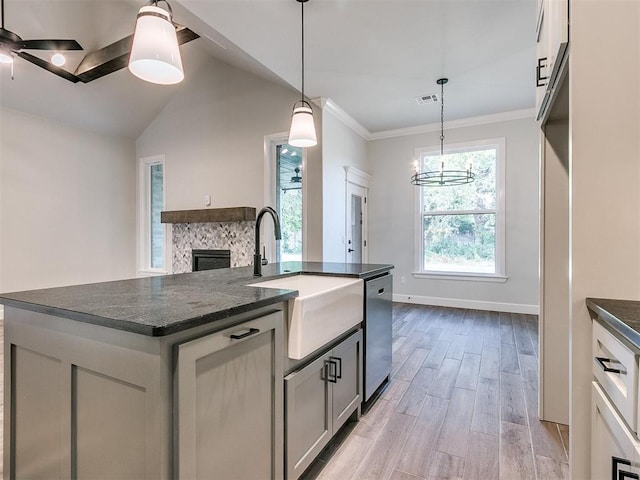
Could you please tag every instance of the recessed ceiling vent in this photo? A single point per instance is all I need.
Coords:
(425, 99)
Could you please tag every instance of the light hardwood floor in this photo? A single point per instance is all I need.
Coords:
(462, 403)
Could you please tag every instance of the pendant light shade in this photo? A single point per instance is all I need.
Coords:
(303, 130)
(5, 56)
(155, 56)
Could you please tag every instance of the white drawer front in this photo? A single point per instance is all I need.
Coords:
(613, 446)
(620, 384)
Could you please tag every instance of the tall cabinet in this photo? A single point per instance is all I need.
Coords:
(601, 221)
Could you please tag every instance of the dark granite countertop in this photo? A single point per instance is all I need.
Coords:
(157, 306)
(620, 317)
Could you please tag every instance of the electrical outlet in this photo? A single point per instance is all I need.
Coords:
(403, 279)
(207, 200)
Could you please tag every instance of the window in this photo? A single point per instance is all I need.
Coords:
(461, 228)
(289, 201)
(152, 232)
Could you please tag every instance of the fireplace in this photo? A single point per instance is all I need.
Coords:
(210, 259)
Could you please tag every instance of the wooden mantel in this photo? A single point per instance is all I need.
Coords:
(232, 214)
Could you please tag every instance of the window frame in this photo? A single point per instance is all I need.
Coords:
(500, 213)
(144, 216)
(271, 143)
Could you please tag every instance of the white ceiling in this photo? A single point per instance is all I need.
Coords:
(371, 57)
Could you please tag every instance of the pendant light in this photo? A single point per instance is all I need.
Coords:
(442, 177)
(303, 131)
(155, 56)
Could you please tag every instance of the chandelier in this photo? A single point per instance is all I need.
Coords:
(442, 177)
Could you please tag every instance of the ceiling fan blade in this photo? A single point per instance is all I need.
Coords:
(116, 56)
(51, 45)
(48, 66)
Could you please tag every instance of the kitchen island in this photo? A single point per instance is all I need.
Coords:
(130, 379)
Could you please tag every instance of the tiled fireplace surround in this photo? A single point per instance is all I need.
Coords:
(238, 237)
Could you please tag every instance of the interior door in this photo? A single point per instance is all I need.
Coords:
(356, 224)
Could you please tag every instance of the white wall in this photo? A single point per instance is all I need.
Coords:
(212, 134)
(604, 173)
(67, 204)
(392, 218)
(341, 147)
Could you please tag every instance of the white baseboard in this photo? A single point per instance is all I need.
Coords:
(472, 304)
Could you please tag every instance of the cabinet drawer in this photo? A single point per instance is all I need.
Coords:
(614, 450)
(616, 369)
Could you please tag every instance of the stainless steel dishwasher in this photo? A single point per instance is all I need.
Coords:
(377, 332)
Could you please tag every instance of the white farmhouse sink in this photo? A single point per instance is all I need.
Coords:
(325, 308)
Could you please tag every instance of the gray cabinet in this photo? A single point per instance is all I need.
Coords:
(229, 403)
(319, 398)
(110, 404)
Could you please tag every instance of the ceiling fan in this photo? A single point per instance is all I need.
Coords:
(11, 44)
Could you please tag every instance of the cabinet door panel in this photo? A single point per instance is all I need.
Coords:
(347, 391)
(229, 396)
(308, 415)
(610, 439)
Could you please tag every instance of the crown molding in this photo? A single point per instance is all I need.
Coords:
(330, 106)
(464, 122)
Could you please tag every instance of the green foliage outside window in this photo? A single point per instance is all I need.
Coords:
(459, 222)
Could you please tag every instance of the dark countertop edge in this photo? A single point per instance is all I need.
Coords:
(306, 268)
(366, 275)
(148, 330)
(622, 331)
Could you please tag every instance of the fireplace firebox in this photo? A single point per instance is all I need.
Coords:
(210, 259)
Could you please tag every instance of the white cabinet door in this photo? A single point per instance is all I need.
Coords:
(552, 34)
(613, 448)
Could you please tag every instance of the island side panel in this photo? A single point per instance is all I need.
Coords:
(98, 400)
(89, 396)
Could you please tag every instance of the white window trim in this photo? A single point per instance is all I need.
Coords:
(271, 143)
(144, 220)
(500, 275)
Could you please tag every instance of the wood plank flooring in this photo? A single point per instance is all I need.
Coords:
(462, 403)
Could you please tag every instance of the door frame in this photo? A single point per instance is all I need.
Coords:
(358, 178)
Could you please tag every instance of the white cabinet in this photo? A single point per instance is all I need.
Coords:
(229, 418)
(614, 450)
(552, 34)
(319, 398)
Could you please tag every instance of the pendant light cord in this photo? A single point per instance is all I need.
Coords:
(302, 43)
(441, 119)
(2, 12)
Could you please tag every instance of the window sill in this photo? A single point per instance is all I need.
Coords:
(472, 277)
(151, 273)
